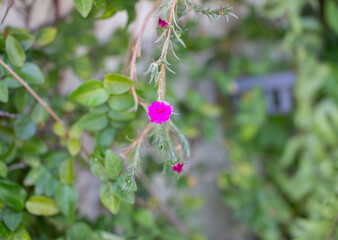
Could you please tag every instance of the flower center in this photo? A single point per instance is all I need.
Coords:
(160, 110)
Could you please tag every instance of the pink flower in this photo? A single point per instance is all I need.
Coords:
(162, 23)
(159, 112)
(178, 167)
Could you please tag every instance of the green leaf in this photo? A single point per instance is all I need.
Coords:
(331, 11)
(19, 234)
(3, 169)
(12, 218)
(32, 161)
(35, 145)
(103, 235)
(3, 92)
(109, 11)
(24, 128)
(41, 183)
(42, 206)
(83, 67)
(100, 4)
(66, 198)
(126, 196)
(210, 110)
(91, 93)
(108, 198)
(79, 231)
(117, 84)
(23, 36)
(10, 153)
(31, 73)
(145, 218)
(54, 159)
(75, 131)
(34, 175)
(100, 109)
(59, 129)
(15, 53)
(93, 122)
(66, 171)
(98, 169)
(83, 6)
(12, 194)
(121, 116)
(105, 137)
(11, 82)
(121, 102)
(39, 114)
(46, 36)
(73, 146)
(50, 187)
(23, 99)
(113, 164)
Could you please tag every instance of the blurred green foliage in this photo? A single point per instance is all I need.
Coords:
(282, 183)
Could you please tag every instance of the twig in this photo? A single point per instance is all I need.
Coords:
(56, 5)
(137, 141)
(31, 91)
(16, 166)
(164, 208)
(9, 115)
(137, 51)
(333, 228)
(9, 4)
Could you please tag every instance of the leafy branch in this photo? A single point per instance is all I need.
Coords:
(33, 93)
(153, 69)
(84, 153)
(212, 14)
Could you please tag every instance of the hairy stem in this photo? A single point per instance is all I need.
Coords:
(138, 140)
(161, 84)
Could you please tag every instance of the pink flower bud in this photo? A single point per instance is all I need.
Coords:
(178, 167)
(162, 23)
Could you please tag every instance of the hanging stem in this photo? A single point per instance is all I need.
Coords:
(170, 20)
(137, 52)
